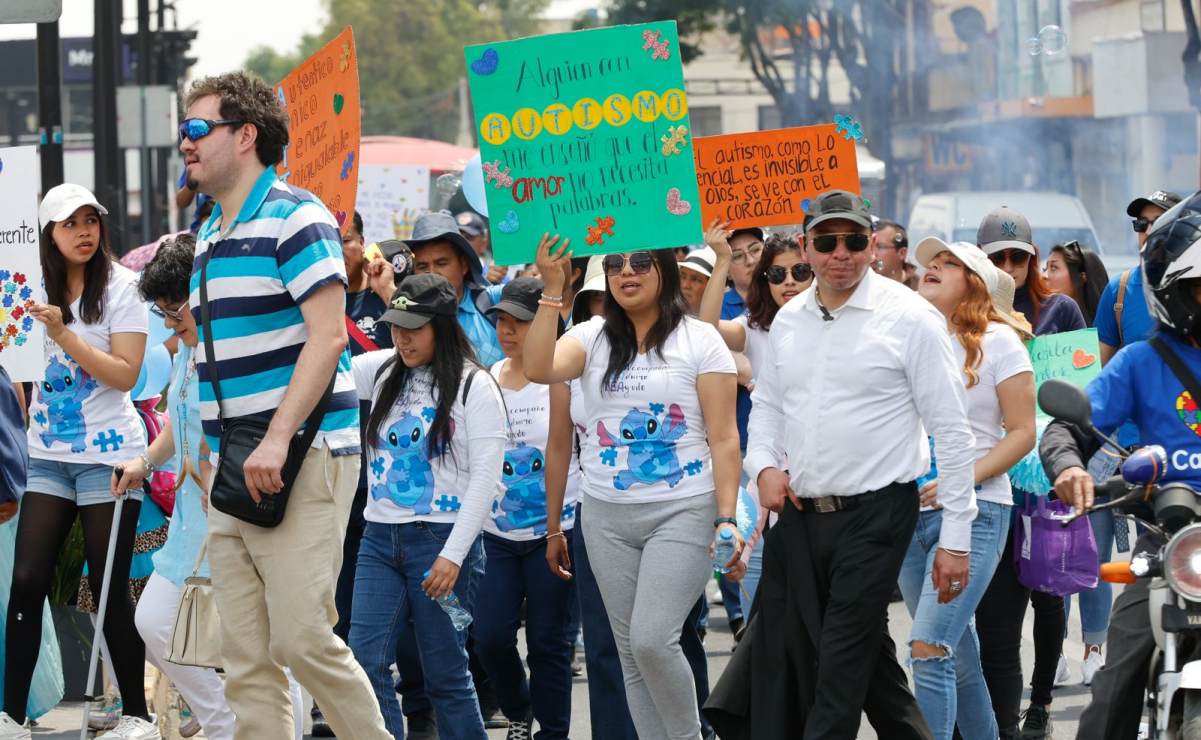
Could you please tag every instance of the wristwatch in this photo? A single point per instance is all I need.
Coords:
(724, 520)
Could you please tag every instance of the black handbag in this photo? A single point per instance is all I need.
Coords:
(240, 436)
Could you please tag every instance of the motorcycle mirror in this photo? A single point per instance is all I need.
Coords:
(1067, 402)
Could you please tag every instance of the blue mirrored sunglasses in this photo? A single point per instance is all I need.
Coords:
(195, 129)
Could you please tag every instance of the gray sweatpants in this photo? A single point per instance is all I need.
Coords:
(651, 563)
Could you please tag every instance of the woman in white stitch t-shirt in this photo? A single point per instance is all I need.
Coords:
(82, 423)
(436, 438)
(660, 458)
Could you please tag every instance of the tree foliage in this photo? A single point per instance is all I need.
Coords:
(410, 56)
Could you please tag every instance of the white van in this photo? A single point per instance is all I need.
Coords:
(1055, 218)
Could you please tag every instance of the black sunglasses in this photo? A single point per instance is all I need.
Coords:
(1014, 256)
(640, 263)
(194, 129)
(1141, 224)
(175, 314)
(777, 274)
(827, 243)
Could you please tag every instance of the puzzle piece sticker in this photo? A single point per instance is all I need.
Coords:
(651, 40)
(849, 128)
(428, 413)
(609, 456)
(16, 299)
(603, 228)
(346, 165)
(40, 418)
(447, 503)
(568, 512)
(694, 467)
(493, 174)
(377, 466)
(673, 140)
(656, 409)
(108, 438)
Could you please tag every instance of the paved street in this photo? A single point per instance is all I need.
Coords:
(63, 722)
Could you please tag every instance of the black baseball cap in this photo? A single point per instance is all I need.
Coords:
(519, 298)
(1162, 198)
(834, 204)
(397, 254)
(419, 299)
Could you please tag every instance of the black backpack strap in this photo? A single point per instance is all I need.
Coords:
(467, 384)
(1178, 368)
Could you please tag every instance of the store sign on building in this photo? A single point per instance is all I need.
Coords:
(945, 155)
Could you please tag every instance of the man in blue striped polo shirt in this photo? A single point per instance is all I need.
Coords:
(276, 297)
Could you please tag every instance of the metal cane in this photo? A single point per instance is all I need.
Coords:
(101, 608)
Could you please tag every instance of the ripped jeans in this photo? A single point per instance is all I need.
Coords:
(951, 689)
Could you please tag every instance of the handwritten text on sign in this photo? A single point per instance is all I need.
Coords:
(1074, 356)
(322, 100)
(763, 178)
(585, 134)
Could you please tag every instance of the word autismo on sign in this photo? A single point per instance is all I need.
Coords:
(762, 178)
(321, 97)
(585, 134)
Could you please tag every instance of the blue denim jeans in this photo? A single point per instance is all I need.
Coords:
(1095, 604)
(393, 559)
(516, 572)
(607, 708)
(754, 571)
(951, 689)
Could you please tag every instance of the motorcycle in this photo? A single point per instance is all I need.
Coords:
(1172, 512)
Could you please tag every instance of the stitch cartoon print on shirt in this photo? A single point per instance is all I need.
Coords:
(524, 502)
(64, 394)
(409, 480)
(652, 442)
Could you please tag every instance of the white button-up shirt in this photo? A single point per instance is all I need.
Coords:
(841, 404)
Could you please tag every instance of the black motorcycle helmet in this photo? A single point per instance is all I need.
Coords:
(1171, 261)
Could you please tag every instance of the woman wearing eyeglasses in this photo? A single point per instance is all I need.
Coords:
(779, 275)
(1078, 273)
(95, 328)
(1006, 237)
(661, 462)
(164, 282)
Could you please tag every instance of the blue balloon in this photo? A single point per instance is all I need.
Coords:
(473, 186)
(159, 332)
(156, 371)
(747, 514)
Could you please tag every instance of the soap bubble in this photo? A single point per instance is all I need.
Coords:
(1052, 39)
(1034, 46)
(445, 188)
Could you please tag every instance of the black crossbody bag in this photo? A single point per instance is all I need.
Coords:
(241, 436)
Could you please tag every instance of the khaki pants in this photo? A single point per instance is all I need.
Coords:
(275, 592)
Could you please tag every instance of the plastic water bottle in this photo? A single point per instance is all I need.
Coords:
(459, 617)
(933, 474)
(723, 550)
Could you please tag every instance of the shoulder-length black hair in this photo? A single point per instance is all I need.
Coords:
(452, 352)
(95, 275)
(167, 274)
(761, 308)
(619, 330)
(1089, 276)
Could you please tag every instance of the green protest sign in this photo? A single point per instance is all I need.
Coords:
(585, 134)
(1074, 356)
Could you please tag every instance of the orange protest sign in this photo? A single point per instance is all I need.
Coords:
(321, 97)
(765, 178)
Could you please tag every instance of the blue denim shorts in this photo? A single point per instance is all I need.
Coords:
(87, 484)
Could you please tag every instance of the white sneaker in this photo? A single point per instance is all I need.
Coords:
(10, 730)
(1092, 664)
(1062, 676)
(132, 728)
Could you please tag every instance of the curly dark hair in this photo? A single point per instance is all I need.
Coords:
(247, 98)
(167, 275)
(761, 307)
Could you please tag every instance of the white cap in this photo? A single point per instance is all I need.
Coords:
(700, 260)
(63, 200)
(972, 257)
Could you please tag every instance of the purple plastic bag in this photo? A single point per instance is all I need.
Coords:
(1050, 557)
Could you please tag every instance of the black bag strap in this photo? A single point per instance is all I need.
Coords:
(316, 416)
(1178, 368)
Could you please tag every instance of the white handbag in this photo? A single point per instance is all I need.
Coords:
(196, 637)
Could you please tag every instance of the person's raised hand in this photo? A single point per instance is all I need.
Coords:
(717, 238)
(552, 255)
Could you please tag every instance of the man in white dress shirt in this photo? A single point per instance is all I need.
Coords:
(861, 370)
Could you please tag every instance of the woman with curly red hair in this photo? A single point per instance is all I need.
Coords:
(947, 675)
